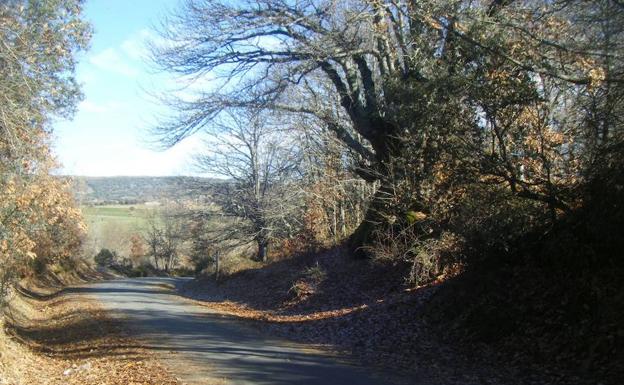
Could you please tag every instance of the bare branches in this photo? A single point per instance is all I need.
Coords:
(268, 47)
(413, 91)
(260, 160)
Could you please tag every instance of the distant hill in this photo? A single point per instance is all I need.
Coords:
(140, 189)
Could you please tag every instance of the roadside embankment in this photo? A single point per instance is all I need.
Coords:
(360, 310)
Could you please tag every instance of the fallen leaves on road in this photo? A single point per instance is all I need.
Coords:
(67, 339)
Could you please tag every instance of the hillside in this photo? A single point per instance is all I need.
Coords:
(140, 189)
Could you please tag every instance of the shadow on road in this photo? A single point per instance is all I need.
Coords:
(200, 344)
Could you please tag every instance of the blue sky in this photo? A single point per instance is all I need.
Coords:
(108, 136)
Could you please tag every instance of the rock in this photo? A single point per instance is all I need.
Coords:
(75, 368)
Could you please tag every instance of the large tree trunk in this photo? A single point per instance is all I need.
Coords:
(374, 219)
(384, 208)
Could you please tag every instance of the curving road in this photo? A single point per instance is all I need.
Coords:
(203, 347)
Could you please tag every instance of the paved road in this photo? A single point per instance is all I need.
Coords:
(207, 348)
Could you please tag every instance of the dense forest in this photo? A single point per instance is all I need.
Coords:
(435, 120)
(474, 145)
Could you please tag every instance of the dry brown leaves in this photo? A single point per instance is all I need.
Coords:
(243, 311)
(359, 310)
(352, 309)
(69, 340)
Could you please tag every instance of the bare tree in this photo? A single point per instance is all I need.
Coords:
(164, 236)
(260, 160)
(309, 49)
(153, 238)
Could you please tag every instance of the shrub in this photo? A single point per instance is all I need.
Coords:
(105, 258)
(309, 282)
(425, 254)
(38, 265)
(315, 273)
(182, 272)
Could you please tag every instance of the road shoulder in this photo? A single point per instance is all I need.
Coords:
(67, 338)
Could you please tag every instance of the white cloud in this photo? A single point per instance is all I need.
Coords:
(111, 60)
(127, 157)
(133, 49)
(136, 47)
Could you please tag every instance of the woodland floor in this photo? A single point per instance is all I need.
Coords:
(350, 307)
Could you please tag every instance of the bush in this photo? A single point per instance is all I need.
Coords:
(309, 282)
(145, 269)
(425, 254)
(39, 265)
(68, 264)
(183, 272)
(105, 258)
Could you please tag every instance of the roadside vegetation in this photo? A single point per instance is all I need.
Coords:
(40, 225)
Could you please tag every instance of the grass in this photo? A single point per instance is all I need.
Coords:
(123, 213)
(110, 226)
(126, 216)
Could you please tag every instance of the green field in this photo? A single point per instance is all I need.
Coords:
(111, 226)
(122, 214)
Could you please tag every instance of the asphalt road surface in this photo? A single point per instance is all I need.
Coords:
(203, 347)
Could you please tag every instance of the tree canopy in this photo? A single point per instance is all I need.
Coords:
(38, 45)
(426, 96)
